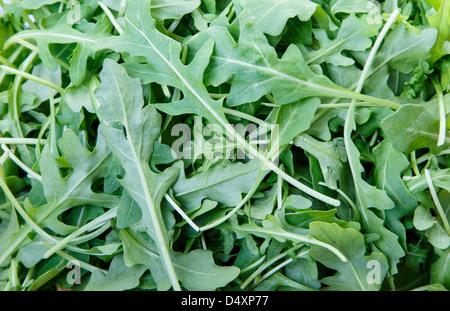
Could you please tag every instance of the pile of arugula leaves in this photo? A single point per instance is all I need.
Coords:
(117, 171)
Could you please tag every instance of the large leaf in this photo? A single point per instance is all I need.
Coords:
(369, 196)
(254, 69)
(75, 189)
(130, 129)
(63, 33)
(57, 194)
(406, 56)
(142, 39)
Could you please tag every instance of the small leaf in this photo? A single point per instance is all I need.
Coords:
(196, 269)
(119, 277)
(423, 219)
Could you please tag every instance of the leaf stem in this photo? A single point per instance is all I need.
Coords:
(14, 274)
(22, 165)
(104, 217)
(442, 114)
(281, 265)
(437, 203)
(33, 78)
(70, 258)
(181, 212)
(21, 141)
(267, 264)
(111, 17)
(412, 157)
(245, 116)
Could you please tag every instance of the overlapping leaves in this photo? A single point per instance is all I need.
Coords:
(106, 191)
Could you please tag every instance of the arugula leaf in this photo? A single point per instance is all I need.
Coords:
(439, 18)
(195, 269)
(289, 79)
(390, 164)
(414, 128)
(270, 16)
(347, 188)
(353, 35)
(352, 275)
(118, 278)
(121, 104)
(330, 154)
(224, 184)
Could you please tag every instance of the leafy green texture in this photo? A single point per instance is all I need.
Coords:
(121, 103)
(270, 16)
(353, 274)
(413, 127)
(224, 145)
(222, 184)
(195, 269)
(353, 35)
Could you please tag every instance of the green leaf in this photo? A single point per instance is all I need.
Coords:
(289, 79)
(35, 4)
(172, 9)
(130, 130)
(353, 35)
(304, 271)
(63, 33)
(43, 92)
(196, 269)
(440, 270)
(438, 237)
(406, 56)
(296, 202)
(423, 219)
(75, 189)
(142, 39)
(128, 212)
(330, 154)
(305, 217)
(263, 206)
(351, 6)
(413, 127)
(439, 18)
(361, 272)
(270, 16)
(8, 237)
(294, 119)
(369, 196)
(224, 184)
(119, 277)
(440, 178)
(389, 165)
